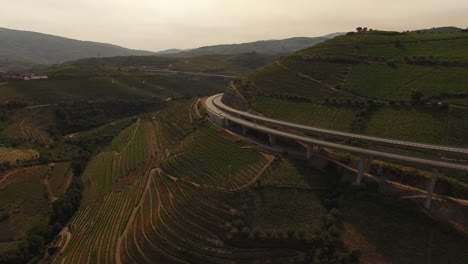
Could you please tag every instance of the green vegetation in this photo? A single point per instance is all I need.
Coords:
(132, 87)
(439, 126)
(219, 161)
(23, 203)
(13, 155)
(37, 48)
(266, 46)
(387, 84)
(59, 178)
(397, 232)
(331, 117)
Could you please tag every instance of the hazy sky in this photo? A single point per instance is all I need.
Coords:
(162, 24)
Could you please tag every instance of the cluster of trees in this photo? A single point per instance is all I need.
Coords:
(287, 96)
(80, 116)
(4, 166)
(319, 58)
(15, 104)
(64, 208)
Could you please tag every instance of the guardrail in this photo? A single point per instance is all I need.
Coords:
(342, 135)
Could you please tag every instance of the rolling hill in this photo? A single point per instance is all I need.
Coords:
(235, 64)
(409, 86)
(283, 46)
(37, 48)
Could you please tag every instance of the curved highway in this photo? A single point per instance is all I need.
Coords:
(219, 110)
(343, 135)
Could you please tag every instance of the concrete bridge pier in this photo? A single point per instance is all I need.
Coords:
(310, 149)
(272, 139)
(369, 163)
(225, 122)
(361, 170)
(430, 191)
(244, 131)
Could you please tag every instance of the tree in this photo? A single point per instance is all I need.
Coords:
(359, 29)
(416, 97)
(32, 245)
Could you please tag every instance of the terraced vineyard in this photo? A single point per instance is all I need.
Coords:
(183, 223)
(113, 181)
(289, 201)
(373, 68)
(330, 117)
(437, 126)
(219, 161)
(145, 198)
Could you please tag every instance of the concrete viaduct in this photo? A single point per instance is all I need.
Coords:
(222, 115)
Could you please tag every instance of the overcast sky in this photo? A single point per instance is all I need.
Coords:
(163, 24)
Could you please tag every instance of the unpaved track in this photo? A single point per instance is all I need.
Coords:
(131, 140)
(51, 195)
(133, 216)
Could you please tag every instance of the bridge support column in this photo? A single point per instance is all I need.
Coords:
(369, 163)
(310, 149)
(430, 191)
(244, 131)
(225, 122)
(272, 139)
(361, 170)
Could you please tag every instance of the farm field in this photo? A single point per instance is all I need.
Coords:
(435, 126)
(278, 211)
(274, 78)
(12, 155)
(377, 65)
(330, 117)
(289, 200)
(219, 161)
(396, 83)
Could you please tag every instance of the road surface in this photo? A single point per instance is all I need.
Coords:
(215, 111)
(342, 135)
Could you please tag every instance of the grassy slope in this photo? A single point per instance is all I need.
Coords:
(336, 118)
(371, 65)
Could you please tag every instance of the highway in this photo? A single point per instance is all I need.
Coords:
(220, 111)
(342, 135)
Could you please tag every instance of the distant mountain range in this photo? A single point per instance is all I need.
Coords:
(282, 46)
(24, 49)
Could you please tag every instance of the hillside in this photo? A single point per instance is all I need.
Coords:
(235, 64)
(409, 86)
(283, 46)
(36, 48)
